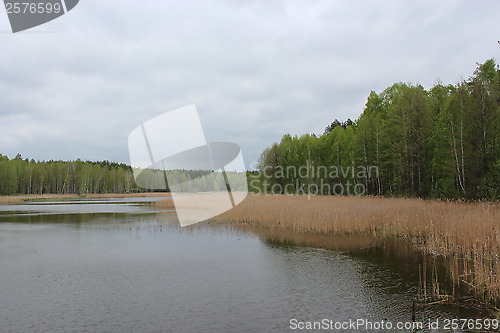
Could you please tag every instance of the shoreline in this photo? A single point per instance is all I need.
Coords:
(13, 199)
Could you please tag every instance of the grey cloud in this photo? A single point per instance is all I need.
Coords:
(255, 69)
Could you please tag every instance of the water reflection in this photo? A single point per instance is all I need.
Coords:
(139, 272)
(398, 266)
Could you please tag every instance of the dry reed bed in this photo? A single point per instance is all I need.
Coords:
(468, 231)
(125, 195)
(444, 228)
(13, 199)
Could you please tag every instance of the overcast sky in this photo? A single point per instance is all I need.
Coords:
(77, 86)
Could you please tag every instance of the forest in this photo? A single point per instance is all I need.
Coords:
(24, 176)
(408, 141)
(437, 143)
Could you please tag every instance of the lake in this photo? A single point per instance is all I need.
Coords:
(117, 265)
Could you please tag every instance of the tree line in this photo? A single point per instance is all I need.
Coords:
(24, 176)
(437, 143)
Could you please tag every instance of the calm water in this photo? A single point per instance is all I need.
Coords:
(117, 266)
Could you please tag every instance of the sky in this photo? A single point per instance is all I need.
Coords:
(77, 86)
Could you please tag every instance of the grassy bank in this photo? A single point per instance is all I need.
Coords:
(469, 232)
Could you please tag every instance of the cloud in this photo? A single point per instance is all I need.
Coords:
(255, 69)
